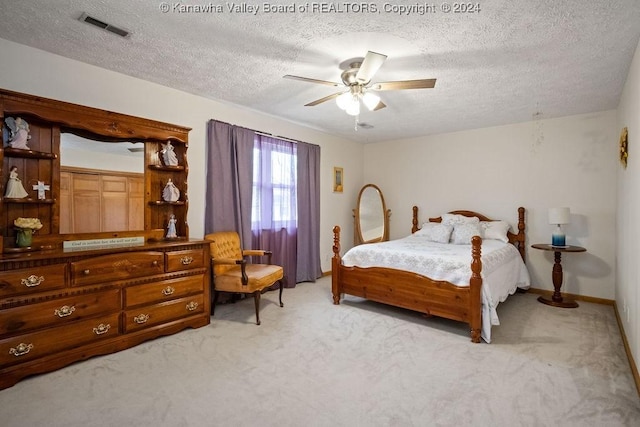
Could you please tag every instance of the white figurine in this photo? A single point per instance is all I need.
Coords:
(170, 192)
(168, 155)
(171, 228)
(19, 133)
(15, 190)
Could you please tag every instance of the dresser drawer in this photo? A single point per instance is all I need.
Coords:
(37, 344)
(122, 266)
(165, 290)
(32, 280)
(144, 317)
(59, 311)
(185, 260)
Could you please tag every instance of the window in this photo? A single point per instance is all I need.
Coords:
(274, 184)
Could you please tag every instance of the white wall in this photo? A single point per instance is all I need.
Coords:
(628, 229)
(36, 72)
(568, 161)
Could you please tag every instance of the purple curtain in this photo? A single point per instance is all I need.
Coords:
(229, 179)
(268, 190)
(308, 186)
(274, 223)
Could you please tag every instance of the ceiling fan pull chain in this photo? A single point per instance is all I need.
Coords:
(356, 124)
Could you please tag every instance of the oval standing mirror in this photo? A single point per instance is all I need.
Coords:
(371, 216)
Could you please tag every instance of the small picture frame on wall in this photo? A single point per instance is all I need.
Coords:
(338, 179)
(624, 147)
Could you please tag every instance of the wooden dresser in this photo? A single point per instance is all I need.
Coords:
(58, 306)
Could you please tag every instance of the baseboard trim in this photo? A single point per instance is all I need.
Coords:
(575, 297)
(326, 273)
(627, 349)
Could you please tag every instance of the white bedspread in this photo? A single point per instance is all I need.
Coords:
(502, 267)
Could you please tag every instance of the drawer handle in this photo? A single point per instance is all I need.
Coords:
(168, 291)
(86, 272)
(102, 329)
(141, 318)
(155, 263)
(192, 306)
(186, 260)
(21, 349)
(64, 311)
(32, 281)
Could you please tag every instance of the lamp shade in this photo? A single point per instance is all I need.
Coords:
(559, 215)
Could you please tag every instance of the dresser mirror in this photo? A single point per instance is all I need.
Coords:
(82, 152)
(101, 185)
(371, 216)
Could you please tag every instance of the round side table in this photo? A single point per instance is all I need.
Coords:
(557, 300)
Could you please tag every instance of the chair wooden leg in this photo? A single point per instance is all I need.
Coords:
(256, 298)
(215, 301)
(281, 285)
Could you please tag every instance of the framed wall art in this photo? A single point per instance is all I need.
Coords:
(338, 177)
(624, 147)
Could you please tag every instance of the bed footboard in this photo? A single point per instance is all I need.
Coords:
(412, 291)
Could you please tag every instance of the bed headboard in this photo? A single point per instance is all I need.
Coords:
(517, 239)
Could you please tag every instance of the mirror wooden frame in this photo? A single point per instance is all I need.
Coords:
(386, 213)
(47, 118)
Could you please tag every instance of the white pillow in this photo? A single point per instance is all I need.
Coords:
(453, 219)
(435, 232)
(462, 233)
(496, 230)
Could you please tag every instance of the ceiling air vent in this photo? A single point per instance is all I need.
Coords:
(365, 125)
(100, 24)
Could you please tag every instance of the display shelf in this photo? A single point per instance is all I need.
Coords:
(164, 203)
(28, 154)
(28, 200)
(177, 168)
(167, 239)
(18, 250)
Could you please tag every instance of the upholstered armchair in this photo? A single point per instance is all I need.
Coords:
(232, 273)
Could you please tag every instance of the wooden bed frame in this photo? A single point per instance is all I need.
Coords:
(416, 292)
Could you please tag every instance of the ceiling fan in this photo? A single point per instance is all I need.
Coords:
(357, 79)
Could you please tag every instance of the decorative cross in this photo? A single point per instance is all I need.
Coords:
(41, 189)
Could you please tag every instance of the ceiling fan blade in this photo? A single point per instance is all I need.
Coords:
(372, 62)
(306, 79)
(405, 84)
(326, 98)
(380, 106)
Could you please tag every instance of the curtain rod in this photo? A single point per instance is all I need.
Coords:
(266, 133)
(270, 135)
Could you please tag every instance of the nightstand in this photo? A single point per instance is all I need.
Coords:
(557, 300)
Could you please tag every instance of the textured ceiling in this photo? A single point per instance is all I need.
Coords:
(512, 61)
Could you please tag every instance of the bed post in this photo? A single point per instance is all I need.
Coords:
(475, 285)
(521, 241)
(336, 263)
(414, 222)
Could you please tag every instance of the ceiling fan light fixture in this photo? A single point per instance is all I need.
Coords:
(353, 109)
(344, 100)
(370, 100)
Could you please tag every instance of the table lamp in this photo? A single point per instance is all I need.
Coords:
(558, 216)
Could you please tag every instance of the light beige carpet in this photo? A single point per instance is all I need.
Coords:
(358, 364)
